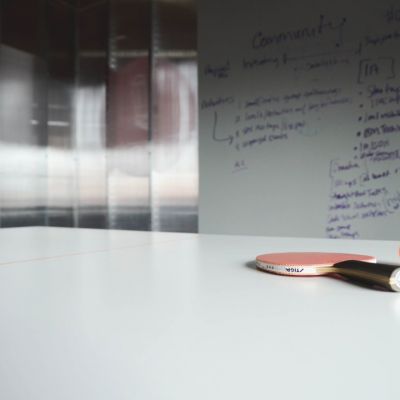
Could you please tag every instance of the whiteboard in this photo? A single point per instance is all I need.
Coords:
(299, 105)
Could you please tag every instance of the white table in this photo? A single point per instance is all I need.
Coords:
(90, 314)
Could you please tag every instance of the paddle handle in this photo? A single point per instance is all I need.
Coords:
(384, 275)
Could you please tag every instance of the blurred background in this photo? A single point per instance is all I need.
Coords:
(98, 114)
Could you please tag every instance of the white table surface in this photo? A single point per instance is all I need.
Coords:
(90, 314)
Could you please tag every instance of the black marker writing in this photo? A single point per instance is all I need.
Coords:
(228, 139)
(261, 40)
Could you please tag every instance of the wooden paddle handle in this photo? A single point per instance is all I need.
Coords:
(384, 275)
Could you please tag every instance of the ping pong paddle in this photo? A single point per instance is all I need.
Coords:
(354, 266)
